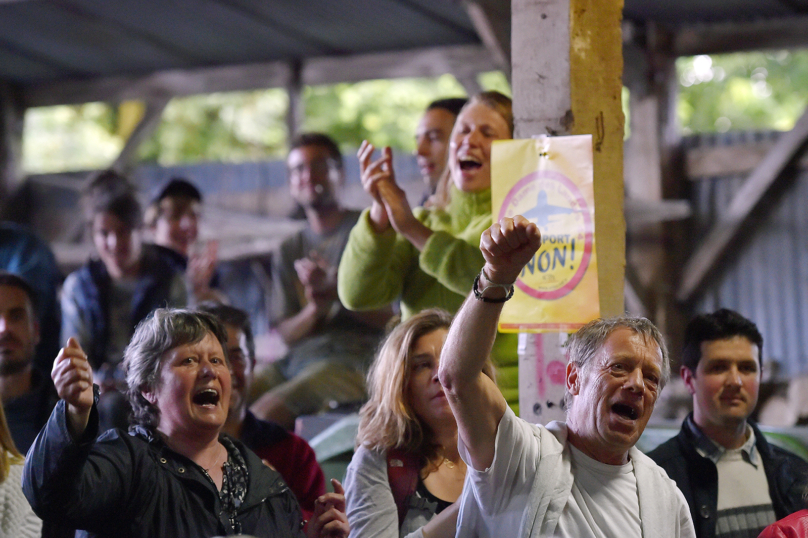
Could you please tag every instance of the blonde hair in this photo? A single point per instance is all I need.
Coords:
(499, 103)
(387, 420)
(9, 455)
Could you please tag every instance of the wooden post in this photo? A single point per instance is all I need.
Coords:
(294, 89)
(567, 70)
(11, 121)
(670, 316)
(152, 115)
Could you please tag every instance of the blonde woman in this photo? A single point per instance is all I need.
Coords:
(17, 519)
(428, 257)
(406, 473)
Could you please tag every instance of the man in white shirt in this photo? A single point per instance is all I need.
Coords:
(579, 478)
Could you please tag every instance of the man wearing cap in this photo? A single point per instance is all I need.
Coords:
(173, 219)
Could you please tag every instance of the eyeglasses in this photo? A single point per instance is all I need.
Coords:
(316, 167)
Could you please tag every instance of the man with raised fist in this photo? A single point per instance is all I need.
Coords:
(582, 477)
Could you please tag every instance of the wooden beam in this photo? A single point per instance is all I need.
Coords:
(759, 182)
(541, 68)
(596, 70)
(492, 22)
(785, 33)
(469, 83)
(641, 212)
(151, 119)
(11, 121)
(642, 161)
(428, 62)
(567, 69)
(638, 299)
(172, 83)
(294, 89)
(711, 161)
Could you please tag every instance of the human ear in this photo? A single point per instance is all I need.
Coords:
(688, 377)
(572, 379)
(150, 396)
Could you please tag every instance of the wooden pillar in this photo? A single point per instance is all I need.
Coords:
(294, 89)
(670, 316)
(11, 121)
(642, 170)
(567, 69)
(152, 116)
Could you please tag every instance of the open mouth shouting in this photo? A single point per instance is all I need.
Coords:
(626, 411)
(469, 163)
(207, 398)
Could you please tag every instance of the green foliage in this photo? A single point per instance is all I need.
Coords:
(758, 90)
(743, 91)
(239, 126)
(64, 138)
(386, 112)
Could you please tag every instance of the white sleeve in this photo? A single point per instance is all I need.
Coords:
(369, 502)
(687, 528)
(511, 474)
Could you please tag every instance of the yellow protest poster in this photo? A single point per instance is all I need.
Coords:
(548, 180)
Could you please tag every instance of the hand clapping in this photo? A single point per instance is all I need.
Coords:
(390, 205)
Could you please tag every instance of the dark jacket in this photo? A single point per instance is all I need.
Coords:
(135, 486)
(27, 413)
(697, 477)
(288, 454)
(93, 291)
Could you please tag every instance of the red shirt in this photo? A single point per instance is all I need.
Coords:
(290, 455)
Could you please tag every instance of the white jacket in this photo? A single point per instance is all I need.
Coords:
(525, 490)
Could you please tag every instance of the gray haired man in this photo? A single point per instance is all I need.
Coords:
(579, 478)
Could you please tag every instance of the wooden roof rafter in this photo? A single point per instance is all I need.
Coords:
(711, 251)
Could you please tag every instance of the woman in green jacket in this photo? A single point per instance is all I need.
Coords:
(429, 257)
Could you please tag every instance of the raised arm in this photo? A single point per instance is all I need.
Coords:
(73, 379)
(475, 399)
(64, 472)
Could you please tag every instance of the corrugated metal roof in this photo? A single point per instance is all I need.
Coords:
(688, 12)
(50, 40)
(766, 278)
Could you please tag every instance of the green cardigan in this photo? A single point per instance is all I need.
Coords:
(377, 269)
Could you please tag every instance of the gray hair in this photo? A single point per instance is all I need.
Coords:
(162, 330)
(585, 344)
